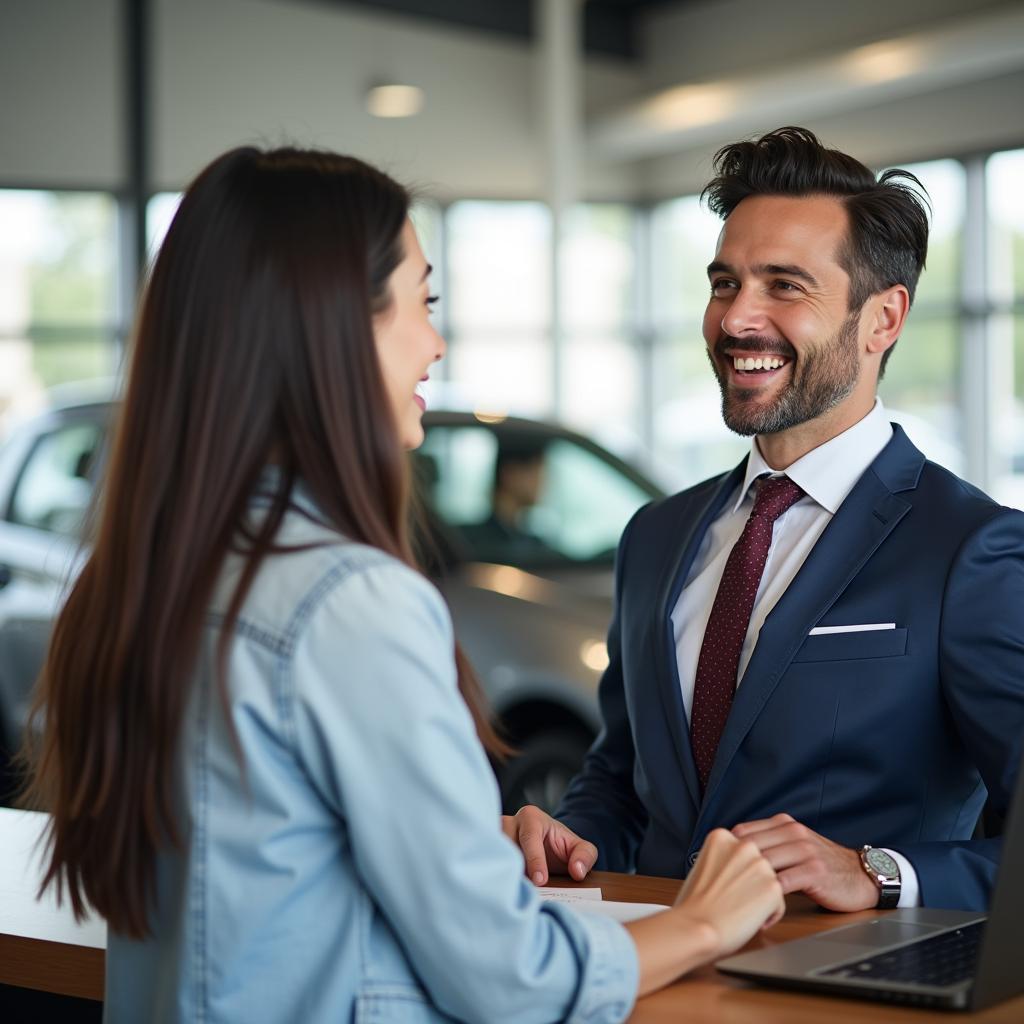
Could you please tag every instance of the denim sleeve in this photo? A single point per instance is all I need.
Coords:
(389, 743)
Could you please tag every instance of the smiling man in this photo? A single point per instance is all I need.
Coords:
(824, 648)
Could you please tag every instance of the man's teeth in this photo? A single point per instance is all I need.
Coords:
(771, 363)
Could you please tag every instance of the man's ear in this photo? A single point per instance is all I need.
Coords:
(887, 313)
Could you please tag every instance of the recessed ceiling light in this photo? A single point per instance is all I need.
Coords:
(395, 100)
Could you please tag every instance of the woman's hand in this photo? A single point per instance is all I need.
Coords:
(731, 893)
(733, 888)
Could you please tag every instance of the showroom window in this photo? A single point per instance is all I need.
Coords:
(1005, 273)
(497, 305)
(690, 440)
(58, 293)
(601, 369)
(920, 388)
(496, 314)
(160, 211)
(630, 367)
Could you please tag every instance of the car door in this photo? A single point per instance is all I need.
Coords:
(48, 476)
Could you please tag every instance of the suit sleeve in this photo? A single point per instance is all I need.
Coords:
(981, 665)
(601, 804)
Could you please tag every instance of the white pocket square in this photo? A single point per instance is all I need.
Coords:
(862, 628)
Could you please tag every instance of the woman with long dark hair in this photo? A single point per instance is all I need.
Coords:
(263, 751)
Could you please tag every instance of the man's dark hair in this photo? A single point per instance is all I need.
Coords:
(516, 449)
(887, 240)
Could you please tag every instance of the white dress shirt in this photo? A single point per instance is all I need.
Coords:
(826, 474)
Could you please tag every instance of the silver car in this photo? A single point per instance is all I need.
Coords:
(518, 525)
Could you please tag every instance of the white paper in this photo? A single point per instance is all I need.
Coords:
(590, 901)
(618, 911)
(21, 869)
(552, 892)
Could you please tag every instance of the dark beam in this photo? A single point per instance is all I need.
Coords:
(137, 142)
(610, 27)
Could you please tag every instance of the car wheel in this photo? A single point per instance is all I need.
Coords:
(541, 771)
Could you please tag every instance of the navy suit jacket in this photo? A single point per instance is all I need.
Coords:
(888, 737)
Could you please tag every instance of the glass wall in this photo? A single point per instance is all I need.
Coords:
(629, 367)
(497, 298)
(160, 212)
(599, 370)
(58, 293)
(1005, 271)
(921, 384)
(690, 440)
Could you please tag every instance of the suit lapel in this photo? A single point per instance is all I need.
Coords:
(661, 638)
(864, 520)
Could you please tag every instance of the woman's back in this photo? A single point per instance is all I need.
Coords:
(348, 838)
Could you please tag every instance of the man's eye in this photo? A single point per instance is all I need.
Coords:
(722, 286)
(786, 286)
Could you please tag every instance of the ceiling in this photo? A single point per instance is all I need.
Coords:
(610, 27)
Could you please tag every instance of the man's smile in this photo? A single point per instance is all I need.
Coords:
(746, 368)
(760, 363)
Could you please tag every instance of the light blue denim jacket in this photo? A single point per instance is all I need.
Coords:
(356, 870)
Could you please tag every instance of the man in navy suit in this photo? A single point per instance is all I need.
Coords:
(823, 649)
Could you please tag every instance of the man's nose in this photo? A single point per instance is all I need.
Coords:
(746, 314)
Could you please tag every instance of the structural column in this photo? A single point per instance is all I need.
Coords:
(978, 378)
(135, 191)
(559, 25)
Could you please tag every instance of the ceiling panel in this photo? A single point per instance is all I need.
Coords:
(610, 27)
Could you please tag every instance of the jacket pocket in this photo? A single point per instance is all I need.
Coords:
(395, 1003)
(875, 643)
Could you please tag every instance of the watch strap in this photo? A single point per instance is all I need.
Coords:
(888, 895)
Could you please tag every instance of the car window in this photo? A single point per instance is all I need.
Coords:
(523, 497)
(456, 465)
(585, 504)
(55, 486)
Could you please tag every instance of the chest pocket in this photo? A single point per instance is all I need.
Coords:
(873, 643)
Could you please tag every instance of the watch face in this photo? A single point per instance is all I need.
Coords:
(880, 861)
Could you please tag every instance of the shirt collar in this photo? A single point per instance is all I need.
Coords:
(300, 497)
(827, 473)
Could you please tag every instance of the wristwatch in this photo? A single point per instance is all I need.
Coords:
(885, 873)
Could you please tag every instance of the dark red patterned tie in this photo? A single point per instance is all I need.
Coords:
(719, 661)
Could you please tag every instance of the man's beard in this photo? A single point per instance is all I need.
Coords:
(822, 378)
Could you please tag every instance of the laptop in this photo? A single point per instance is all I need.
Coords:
(948, 959)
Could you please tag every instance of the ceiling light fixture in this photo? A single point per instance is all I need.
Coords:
(392, 100)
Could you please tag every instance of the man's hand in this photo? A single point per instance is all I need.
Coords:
(806, 862)
(548, 845)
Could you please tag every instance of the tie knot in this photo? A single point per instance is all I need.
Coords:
(775, 494)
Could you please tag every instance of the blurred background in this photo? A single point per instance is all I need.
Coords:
(557, 147)
(557, 150)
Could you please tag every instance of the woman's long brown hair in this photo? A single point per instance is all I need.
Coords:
(254, 341)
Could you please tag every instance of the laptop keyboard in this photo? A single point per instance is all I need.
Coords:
(943, 959)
